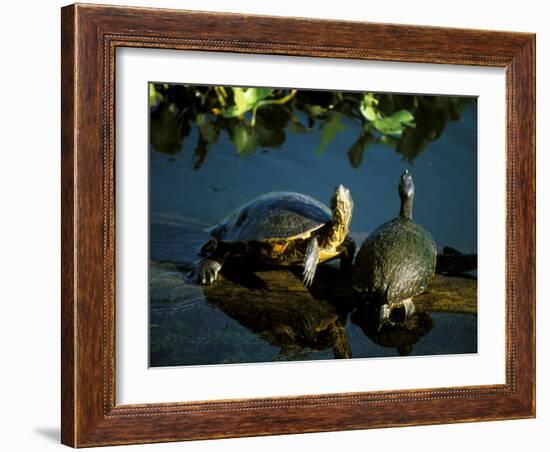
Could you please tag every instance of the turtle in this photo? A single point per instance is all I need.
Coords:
(282, 229)
(397, 261)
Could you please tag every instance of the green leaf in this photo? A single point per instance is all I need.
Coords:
(388, 126)
(357, 150)
(231, 112)
(330, 128)
(298, 127)
(395, 123)
(208, 130)
(268, 137)
(155, 97)
(316, 110)
(369, 99)
(369, 113)
(244, 139)
(245, 100)
(166, 130)
(403, 116)
(367, 107)
(208, 135)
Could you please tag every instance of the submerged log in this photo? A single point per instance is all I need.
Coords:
(453, 294)
(281, 287)
(274, 305)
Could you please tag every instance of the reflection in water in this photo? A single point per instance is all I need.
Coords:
(293, 321)
(261, 117)
(299, 321)
(399, 335)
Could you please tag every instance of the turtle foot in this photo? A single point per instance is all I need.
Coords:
(396, 314)
(310, 262)
(207, 272)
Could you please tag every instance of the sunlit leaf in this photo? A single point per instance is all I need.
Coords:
(369, 113)
(394, 124)
(388, 126)
(245, 100)
(403, 116)
(367, 107)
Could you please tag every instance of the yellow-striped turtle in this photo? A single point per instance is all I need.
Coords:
(282, 228)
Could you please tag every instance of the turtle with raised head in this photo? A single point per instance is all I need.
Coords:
(397, 261)
(283, 229)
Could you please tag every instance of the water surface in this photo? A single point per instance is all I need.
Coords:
(188, 330)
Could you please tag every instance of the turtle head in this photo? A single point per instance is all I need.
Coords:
(341, 204)
(406, 193)
(406, 185)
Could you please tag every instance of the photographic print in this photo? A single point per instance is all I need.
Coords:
(293, 224)
(256, 201)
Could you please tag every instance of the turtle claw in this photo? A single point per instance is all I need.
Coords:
(308, 274)
(384, 316)
(207, 272)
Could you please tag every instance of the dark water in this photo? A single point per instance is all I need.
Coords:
(186, 329)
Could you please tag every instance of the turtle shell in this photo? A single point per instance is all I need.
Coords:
(395, 262)
(273, 216)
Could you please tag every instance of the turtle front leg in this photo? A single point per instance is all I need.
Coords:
(310, 261)
(348, 248)
(408, 305)
(208, 268)
(396, 314)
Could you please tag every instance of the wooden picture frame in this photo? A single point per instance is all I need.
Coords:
(90, 36)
